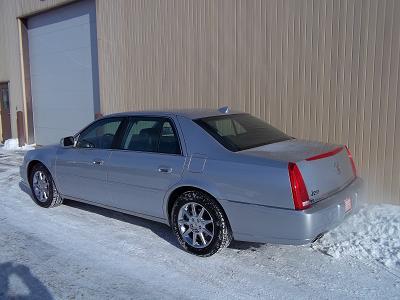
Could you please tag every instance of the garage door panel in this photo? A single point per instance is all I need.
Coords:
(53, 103)
(62, 17)
(72, 60)
(64, 79)
(56, 132)
(58, 41)
(68, 121)
(61, 25)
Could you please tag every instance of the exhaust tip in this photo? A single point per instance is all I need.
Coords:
(319, 236)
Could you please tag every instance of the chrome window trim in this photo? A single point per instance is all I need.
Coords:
(77, 135)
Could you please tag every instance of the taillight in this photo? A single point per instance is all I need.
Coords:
(353, 165)
(299, 190)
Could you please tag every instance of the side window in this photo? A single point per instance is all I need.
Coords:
(100, 134)
(168, 140)
(142, 135)
(151, 135)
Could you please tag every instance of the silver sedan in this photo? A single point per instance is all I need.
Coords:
(213, 176)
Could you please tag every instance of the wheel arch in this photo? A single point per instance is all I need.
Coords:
(33, 163)
(178, 190)
(30, 166)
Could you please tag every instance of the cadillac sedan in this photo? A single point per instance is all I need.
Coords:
(212, 176)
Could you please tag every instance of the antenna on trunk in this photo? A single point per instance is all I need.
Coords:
(224, 109)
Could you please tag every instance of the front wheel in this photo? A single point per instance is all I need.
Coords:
(43, 188)
(199, 224)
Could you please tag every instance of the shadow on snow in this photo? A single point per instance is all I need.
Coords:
(162, 230)
(10, 270)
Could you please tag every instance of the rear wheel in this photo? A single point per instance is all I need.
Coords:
(44, 190)
(199, 224)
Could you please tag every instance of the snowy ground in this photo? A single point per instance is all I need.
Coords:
(79, 251)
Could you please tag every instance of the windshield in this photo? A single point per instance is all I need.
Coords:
(241, 131)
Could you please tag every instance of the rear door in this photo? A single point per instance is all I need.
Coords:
(81, 171)
(148, 162)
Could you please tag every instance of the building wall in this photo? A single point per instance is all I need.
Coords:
(318, 69)
(10, 50)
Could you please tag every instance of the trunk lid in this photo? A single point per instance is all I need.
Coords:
(325, 168)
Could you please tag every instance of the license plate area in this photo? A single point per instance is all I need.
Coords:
(347, 205)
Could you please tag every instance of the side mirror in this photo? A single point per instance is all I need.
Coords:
(67, 141)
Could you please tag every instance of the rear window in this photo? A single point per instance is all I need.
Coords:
(241, 131)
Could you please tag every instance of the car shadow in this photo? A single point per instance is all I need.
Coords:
(160, 229)
(10, 270)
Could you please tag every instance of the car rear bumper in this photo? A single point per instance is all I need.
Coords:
(257, 223)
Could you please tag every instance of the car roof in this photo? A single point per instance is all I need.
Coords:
(188, 113)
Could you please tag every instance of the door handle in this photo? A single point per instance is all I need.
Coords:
(98, 162)
(164, 170)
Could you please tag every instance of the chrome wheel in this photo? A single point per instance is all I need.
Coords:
(196, 225)
(41, 186)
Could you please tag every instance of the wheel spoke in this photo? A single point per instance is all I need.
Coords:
(183, 222)
(194, 239)
(201, 213)
(186, 233)
(194, 210)
(202, 238)
(185, 213)
(206, 231)
(206, 222)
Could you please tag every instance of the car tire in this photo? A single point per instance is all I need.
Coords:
(187, 226)
(39, 179)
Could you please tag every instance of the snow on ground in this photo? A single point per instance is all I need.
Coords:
(373, 234)
(12, 144)
(80, 251)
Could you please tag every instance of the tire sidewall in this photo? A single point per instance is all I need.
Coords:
(48, 202)
(209, 204)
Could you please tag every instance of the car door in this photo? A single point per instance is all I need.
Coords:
(148, 162)
(81, 171)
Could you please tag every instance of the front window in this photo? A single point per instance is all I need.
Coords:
(100, 134)
(241, 131)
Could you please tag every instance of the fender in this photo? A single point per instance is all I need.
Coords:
(191, 182)
(46, 155)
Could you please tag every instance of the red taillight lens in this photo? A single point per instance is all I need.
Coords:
(353, 165)
(299, 190)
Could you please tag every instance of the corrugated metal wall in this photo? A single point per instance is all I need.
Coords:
(323, 70)
(10, 51)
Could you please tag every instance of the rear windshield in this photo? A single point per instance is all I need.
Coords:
(241, 131)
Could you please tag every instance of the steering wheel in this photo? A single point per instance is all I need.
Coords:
(85, 144)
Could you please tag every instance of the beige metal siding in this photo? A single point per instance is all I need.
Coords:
(323, 70)
(10, 50)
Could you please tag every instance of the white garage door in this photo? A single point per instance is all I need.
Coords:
(64, 70)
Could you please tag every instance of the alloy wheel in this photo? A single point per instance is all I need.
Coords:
(41, 186)
(196, 225)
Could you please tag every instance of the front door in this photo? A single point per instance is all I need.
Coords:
(81, 171)
(5, 112)
(148, 163)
